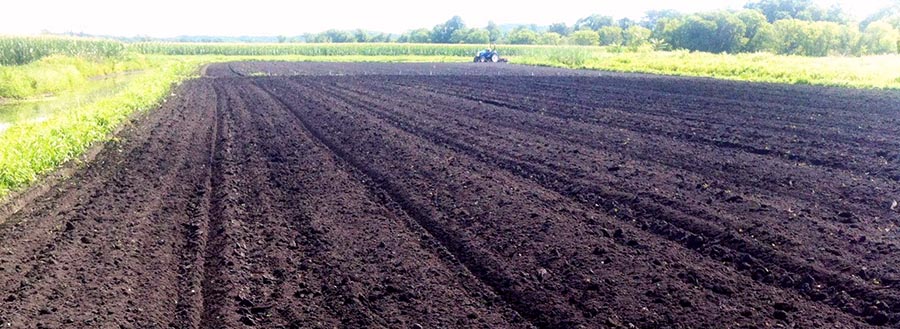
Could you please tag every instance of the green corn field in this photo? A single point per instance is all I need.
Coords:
(346, 49)
(19, 50)
(16, 50)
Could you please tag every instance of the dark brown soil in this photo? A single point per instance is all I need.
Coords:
(467, 195)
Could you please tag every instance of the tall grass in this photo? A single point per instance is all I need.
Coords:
(57, 73)
(16, 50)
(881, 72)
(31, 149)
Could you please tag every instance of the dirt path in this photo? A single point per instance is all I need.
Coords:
(457, 195)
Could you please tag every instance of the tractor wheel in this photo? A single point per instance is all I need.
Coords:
(477, 59)
(495, 58)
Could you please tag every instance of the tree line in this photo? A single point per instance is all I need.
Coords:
(792, 27)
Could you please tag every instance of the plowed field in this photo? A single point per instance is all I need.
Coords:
(303, 195)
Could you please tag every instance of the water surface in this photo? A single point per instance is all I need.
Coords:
(37, 110)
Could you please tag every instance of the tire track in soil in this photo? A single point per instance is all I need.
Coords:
(265, 289)
(837, 155)
(432, 225)
(444, 238)
(339, 122)
(702, 107)
(433, 122)
(215, 284)
(785, 184)
(581, 108)
(761, 189)
(249, 282)
(190, 308)
(795, 182)
(693, 229)
(416, 221)
(852, 182)
(243, 274)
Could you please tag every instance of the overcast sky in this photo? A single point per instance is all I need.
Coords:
(167, 18)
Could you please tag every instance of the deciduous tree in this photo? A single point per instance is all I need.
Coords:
(611, 36)
(442, 33)
(549, 38)
(584, 38)
(593, 22)
(636, 36)
(559, 28)
(522, 36)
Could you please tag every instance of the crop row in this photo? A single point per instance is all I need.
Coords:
(342, 49)
(17, 50)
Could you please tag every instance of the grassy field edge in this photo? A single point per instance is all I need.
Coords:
(30, 150)
(870, 72)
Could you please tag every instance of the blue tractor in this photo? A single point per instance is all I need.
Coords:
(488, 55)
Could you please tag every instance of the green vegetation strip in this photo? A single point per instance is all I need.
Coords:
(58, 73)
(32, 149)
(878, 72)
(16, 50)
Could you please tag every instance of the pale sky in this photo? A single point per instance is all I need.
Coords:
(168, 18)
